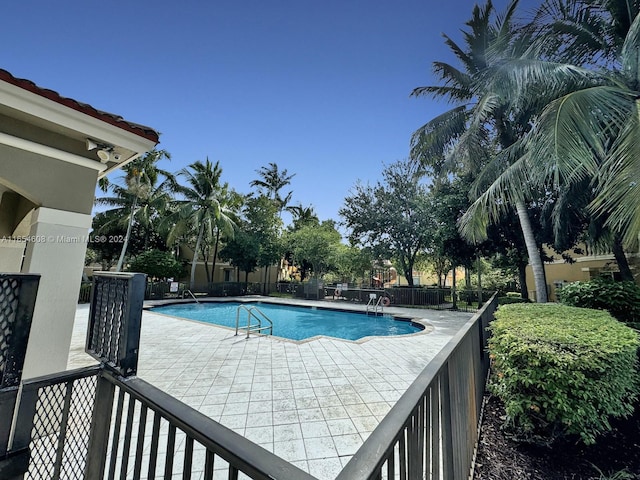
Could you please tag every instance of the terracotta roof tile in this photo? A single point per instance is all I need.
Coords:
(116, 120)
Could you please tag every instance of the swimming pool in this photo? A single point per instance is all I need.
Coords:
(297, 323)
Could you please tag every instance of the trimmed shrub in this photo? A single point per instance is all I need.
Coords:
(620, 299)
(509, 300)
(562, 371)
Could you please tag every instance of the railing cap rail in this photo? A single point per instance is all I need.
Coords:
(373, 452)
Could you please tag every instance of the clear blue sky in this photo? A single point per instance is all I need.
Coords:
(319, 87)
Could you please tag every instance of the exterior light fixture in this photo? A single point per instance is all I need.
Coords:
(103, 150)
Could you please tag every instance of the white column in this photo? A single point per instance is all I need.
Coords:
(11, 251)
(56, 250)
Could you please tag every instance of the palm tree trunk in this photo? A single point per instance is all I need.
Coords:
(206, 264)
(522, 274)
(453, 289)
(534, 253)
(194, 262)
(621, 259)
(215, 255)
(127, 236)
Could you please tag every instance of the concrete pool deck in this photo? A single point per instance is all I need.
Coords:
(312, 403)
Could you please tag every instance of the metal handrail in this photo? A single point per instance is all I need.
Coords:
(372, 298)
(256, 328)
(190, 293)
(379, 303)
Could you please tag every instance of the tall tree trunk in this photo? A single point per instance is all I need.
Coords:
(194, 262)
(215, 255)
(621, 259)
(522, 274)
(453, 289)
(266, 280)
(205, 259)
(533, 252)
(127, 236)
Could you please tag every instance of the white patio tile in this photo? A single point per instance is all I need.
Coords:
(259, 419)
(365, 424)
(290, 450)
(282, 433)
(357, 410)
(320, 447)
(259, 435)
(285, 417)
(311, 403)
(331, 413)
(235, 408)
(310, 414)
(341, 426)
(315, 429)
(347, 444)
(325, 468)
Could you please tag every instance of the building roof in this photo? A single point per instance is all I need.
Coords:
(116, 120)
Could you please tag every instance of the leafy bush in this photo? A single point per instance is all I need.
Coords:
(562, 371)
(620, 299)
(157, 264)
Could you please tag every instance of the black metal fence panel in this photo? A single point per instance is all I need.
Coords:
(17, 301)
(113, 334)
(153, 435)
(54, 423)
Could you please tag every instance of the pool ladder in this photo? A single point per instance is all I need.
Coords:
(375, 303)
(254, 314)
(190, 293)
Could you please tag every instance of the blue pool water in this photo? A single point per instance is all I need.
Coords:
(296, 323)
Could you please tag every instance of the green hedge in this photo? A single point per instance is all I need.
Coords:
(509, 300)
(562, 371)
(620, 299)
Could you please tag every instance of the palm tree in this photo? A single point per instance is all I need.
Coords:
(233, 202)
(588, 134)
(141, 197)
(466, 137)
(202, 208)
(271, 181)
(592, 131)
(303, 216)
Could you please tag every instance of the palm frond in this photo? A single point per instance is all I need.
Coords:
(532, 83)
(453, 94)
(464, 58)
(572, 135)
(510, 186)
(619, 190)
(630, 55)
(430, 142)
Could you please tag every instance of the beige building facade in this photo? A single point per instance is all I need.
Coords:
(585, 267)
